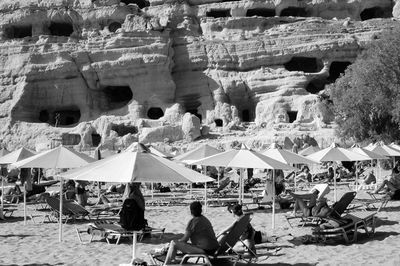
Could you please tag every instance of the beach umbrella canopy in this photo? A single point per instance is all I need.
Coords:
(363, 151)
(395, 146)
(3, 152)
(16, 156)
(151, 149)
(382, 149)
(336, 154)
(60, 157)
(286, 156)
(136, 165)
(198, 153)
(309, 150)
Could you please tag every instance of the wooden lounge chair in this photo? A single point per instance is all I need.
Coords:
(352, 223)
(77, 209)
(54, 204)
(110, 230)
(225, 250)
(338, 208)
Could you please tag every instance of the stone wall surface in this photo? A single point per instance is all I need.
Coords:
(115, 71)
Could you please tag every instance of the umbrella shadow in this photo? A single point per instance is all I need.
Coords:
(14, 235)
(14, 219)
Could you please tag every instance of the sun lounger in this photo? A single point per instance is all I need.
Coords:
(110, 230)
(67, 213)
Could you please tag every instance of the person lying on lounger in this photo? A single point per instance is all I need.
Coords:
(247, 237)
(393, 183)
(200, 233)
(302, 204)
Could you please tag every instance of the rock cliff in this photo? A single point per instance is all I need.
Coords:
(109, 71)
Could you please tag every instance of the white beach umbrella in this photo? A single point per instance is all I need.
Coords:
(246, 158)
(3, 152)
(309, 150)
(196, 154)
(136, 165)
(395, 146)
(386, 150)
(10, 158)
(336, 154)
(286, 156)
(57, 158)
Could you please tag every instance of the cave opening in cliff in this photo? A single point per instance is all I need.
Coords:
(292, 116)
(305, 64)
(96, 139)
(61, 29)
(294, 12)
(66, 117)
(336, 69)
(261, 12)
(315, 86)
(246, 115)
(220, 13)
(155, 113)
(140, 3)
(114, 26)
(118, 96)
(123, 130)
(17, 32)
(218, 122)
(195, 112)
(70, 139)
(375, 12)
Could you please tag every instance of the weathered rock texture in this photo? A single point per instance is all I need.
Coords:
(106, 71)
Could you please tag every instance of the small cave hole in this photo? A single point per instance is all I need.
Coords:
(305, 64)
(140, 3)
(66, 117)
(61, 29)
(375, 12)
(218, 122)
(220, 13)
(70, 139)
(96, 139)
(114, 26)
(315, 86)
(261, 12)
(44, 116)
(123, 130)
(117, 96)
(155, 113)
(294, 12)
(336, 69)
(292, 116)
(195, 112)
(246, 115)
(17, 32)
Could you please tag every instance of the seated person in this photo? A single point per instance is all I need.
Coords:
(247, 237)
(302, 205)
(200, 233)
(393, 183)
(369, 179)
(304, 175)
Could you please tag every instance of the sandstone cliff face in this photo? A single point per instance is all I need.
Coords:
(105, 71)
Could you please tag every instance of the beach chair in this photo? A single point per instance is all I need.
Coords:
(225, 251)
(349, 224)
(54, 204)
(338, 208)
(266, 196)
(8, 210)
(77, 209)
(110, 230)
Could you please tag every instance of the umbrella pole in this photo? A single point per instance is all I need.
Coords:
(334, 185)
(39, 174)
(240, 186)
(134, 239)
(205, 196)
(356, 176)
(2, 197)
(25, 203)
(273, 199)
(152, 190)
(61, 204)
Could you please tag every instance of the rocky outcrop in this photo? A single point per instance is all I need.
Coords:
(114, 71)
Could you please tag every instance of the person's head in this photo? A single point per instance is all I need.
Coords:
(236, 210)
(195, 208)
(330, 169)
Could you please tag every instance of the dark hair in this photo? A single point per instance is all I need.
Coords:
(237, 210)
(195, 208)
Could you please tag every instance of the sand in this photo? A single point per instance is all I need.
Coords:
(37, 244)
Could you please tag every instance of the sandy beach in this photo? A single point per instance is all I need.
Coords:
(37, 244)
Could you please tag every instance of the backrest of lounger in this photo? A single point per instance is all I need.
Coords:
(75, 207)
(54, 203)
(233, 236)
(344, 202)
(223, 184)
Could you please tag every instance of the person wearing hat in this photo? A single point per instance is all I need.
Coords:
(200, 233)
(247, 237)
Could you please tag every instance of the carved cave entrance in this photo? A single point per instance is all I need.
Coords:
(305, 64)
(70, 139)
(60, 117)
(375, 12)
(20, 31)
(61, 29)
(244, 103)
(117, 96)
(191, 103)
(155, 113)
(140, 3)
(293, 12)
(114, 26)
(315, 86)
(220, 13)
(336, 69)
(261, 12)
(292, 116)
(123, 130)
(218, 122)
(96, 139)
